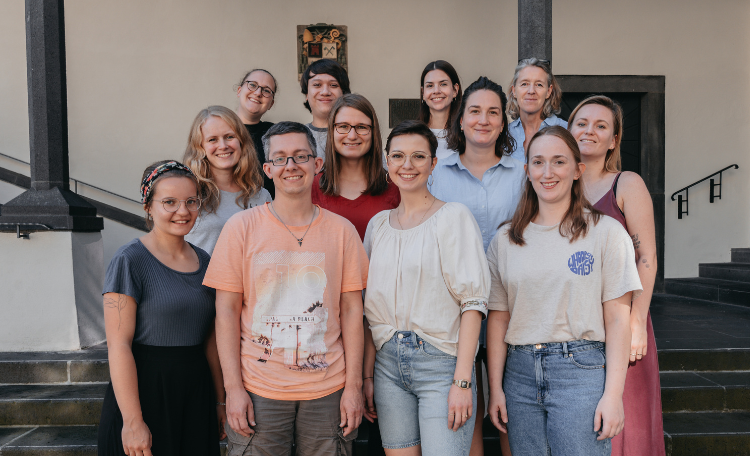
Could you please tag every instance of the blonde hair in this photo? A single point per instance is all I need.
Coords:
(613, 160)
(551, 104)
(246, 173)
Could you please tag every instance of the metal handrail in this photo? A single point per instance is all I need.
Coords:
(76, 182)
(713, 195)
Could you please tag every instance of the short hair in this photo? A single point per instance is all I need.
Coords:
(551, 104)
(613, 160)
(171, 173)
(414, 127)
(455, 108)
(242, 81)
(324, 66)
(284, 128)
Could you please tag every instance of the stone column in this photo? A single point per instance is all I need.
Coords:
(535, 29)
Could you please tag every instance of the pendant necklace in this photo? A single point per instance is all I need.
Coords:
(420, 220)
(299, 240)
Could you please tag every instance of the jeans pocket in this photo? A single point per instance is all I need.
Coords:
(430, 350)
(588, 359)
(236, 443)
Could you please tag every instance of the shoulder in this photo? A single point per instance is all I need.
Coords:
(630, 182)
(202, 254)
(378, 220)
(554, 120)
(245, 217)
(454, 213)
(265, 125)
(130, 253)
(335, 220)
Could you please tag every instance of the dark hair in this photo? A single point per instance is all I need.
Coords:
(373, 159)
(284, 128)
(413, 127)
(242, 81)
(424, 110)
(575, 223)
(170, 173)
(324, 66)
(505, 144)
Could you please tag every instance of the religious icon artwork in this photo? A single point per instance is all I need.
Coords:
(321, 41)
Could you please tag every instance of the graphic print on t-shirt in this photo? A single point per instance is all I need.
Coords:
(290, 318)
(581, 263)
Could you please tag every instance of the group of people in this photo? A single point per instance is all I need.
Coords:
(298, 279)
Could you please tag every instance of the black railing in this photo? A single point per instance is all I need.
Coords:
(713, 195)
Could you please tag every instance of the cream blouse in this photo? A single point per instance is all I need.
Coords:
(422, 279)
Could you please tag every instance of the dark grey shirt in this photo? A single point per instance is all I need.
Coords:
(174, 308)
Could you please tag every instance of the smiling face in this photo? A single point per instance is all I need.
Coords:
(352, 145)
(593, 130)
(253, 104)
(173, 223)
(437, 90)
(482, 119)
(221, 144)
(292, 178)
(410, 176)
(532, 89)
(322, 91)
(552, 168)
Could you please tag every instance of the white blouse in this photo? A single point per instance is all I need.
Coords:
(422, 279)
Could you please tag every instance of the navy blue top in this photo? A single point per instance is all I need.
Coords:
(174, 308)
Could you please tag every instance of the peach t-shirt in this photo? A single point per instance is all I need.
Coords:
(291, 347)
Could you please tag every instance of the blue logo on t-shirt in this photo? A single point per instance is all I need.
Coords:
(581, 263)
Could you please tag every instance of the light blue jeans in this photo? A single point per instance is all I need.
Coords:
(412, 381)
(552, 391)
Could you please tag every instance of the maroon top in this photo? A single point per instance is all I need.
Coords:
(608, 204)
(359, 211)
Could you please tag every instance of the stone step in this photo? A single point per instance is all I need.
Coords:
(716, 290)
(741, 255)
(30, 405)
(725, 271)
(82, 366)
(710, 433)
(705, 391)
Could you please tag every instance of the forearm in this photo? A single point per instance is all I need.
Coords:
(617, 337)
(228, 341)
(124, 377)
(497, 349)
(212, 355)
(647, 273)
(369, 359)
(468, 336)
(351, 337)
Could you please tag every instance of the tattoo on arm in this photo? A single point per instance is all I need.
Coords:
(636, 242)
(117, 303)
(646, 263)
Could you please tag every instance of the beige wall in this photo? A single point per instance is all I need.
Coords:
(138, 72)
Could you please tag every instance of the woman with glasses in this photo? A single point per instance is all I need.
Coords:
(220, 153)
(533, 100)
(483, 177)
(256, 93)
(427, 291)
(353, 182)
(166, 394)
(441, 99)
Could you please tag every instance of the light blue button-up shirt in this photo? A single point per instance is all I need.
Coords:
(516, 131)
(491, 200)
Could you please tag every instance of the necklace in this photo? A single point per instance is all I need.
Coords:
(290, 231)
(420, 220)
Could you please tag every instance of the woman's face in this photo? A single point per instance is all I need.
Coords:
(352, 144)
(221, 144)
(410, 162)
(170, 192)
(437, 91)
(593, 129)
(255, 103)
(482, 119)
(531, 89)
(552, 169)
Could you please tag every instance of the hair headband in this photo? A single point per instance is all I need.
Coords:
(148, 182)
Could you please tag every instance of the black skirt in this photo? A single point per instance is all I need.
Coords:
(177, 401)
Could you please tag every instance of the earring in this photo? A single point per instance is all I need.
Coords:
(386, 178)
(430, 182)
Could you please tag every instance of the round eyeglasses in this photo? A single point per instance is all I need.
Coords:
(344, 129)
(282, 161)
(252, 86)
(173, 204)
(416, 158)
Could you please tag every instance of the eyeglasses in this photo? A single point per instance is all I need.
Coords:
(252, 86)
(173, 204)
(417, 158)
(282, 161)
(344, 129)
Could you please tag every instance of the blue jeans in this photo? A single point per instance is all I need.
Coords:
(412, 381)
(552, 391)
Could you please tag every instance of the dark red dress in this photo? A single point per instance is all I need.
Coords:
(644, 431)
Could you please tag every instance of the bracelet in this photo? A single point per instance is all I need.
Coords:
(367, 378)
(221, 403)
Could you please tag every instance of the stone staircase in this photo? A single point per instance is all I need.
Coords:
(728, 283)
(50, 402)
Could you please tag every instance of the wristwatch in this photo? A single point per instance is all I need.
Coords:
(463, 384)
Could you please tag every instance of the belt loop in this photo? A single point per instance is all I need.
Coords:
(565, 349)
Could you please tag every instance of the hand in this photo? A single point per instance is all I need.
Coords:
(352, 407)
(460, 407)
(498, 411)
(221, 413)
(609, 416)
(240, 413)
(639, 339)
(368, 390)
(136, 438)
